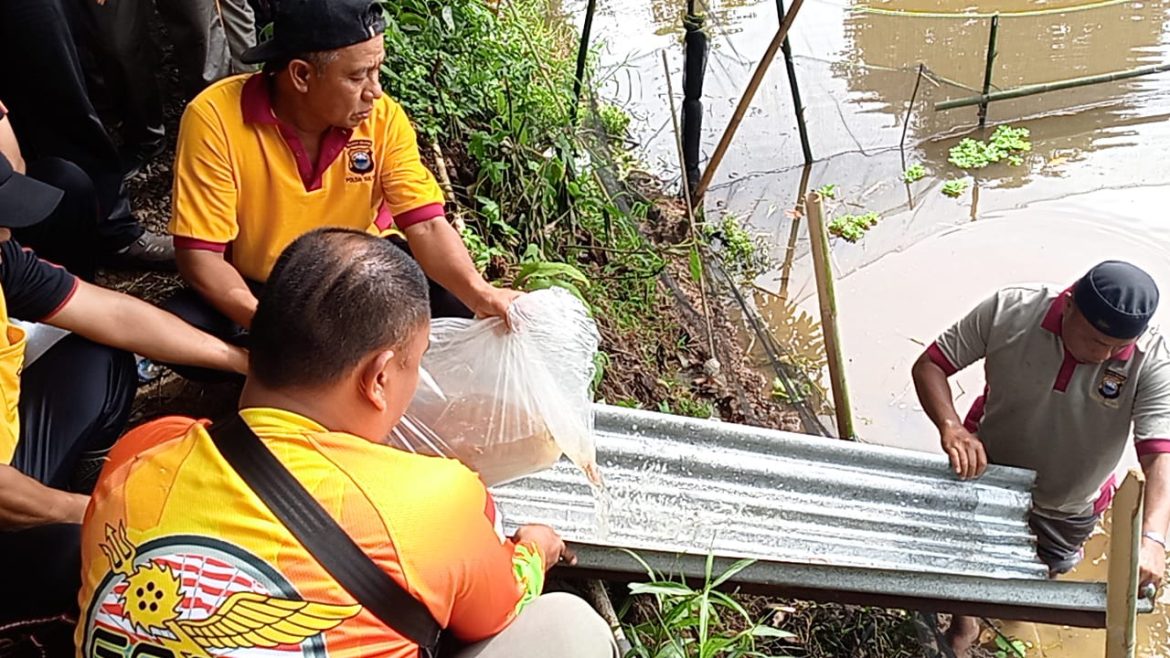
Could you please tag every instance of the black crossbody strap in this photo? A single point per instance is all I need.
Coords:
(321, 536)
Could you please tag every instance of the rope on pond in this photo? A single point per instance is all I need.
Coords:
(970, 14)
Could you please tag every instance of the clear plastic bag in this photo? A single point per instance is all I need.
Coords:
(508, 403)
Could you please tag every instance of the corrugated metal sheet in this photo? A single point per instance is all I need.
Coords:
(827, 520)
(676, 484)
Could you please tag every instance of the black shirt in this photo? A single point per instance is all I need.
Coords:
(34, 289)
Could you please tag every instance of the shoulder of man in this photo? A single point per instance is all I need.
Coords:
(394, 479)
(149, 436)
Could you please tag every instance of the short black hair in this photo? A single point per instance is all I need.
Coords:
(334, 296)
(319, 60)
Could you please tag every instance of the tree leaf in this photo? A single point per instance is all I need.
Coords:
(696, 265)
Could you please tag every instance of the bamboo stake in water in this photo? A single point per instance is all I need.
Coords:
(991, 53)
(746, 101)
(690, 208)
(1122, 586)
(827, 296)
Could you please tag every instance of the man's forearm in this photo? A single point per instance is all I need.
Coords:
(934, 393)
(1156, 517)
(26, 503)
(217, 281)
(103, 315)
(442, 255)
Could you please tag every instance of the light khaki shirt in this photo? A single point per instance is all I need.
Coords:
(1044, 410)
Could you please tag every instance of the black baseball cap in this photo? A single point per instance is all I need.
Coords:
(1117, 298)
(24, 201)
(308, 26)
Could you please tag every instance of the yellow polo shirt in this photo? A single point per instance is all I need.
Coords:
(244, 180)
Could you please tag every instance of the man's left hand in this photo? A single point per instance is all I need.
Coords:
(1151, 563)
(494, 302)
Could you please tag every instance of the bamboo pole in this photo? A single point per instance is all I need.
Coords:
(790, 66)
(1122, 586)
(793, 234)
(992, 38)
(582, 55)
(827, 297)
(745, 101)
(1029, 90)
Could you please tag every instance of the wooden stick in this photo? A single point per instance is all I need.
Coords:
(1121, 600)
(746, 101)
(1029, 90)
(827, 296)
(690, 208)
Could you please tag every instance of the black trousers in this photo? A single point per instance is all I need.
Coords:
(190, 306)
(66, 237)
(43, 86)
(74, 403)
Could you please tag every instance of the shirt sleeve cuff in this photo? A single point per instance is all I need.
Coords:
(418, 215)
(1152, 447)
(64, 302)
(199, 245)
(936, 355)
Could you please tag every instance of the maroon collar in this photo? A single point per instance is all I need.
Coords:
(1054, 322)
(256, 103)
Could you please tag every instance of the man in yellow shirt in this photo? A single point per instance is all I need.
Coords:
(310, 142)
(210, 564)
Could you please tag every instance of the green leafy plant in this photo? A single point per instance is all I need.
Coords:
(743, 254)
(539, 275)
(914, 173)
(1010, 647)
(955, 188)
(1006, 143)
(828, 191)
(852, 228)
(614, 120)
(687, 406)
(804, 390)
(685, 622)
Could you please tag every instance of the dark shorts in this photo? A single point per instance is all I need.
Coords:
(1059, 542)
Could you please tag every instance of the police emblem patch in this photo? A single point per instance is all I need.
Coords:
(1111, 385)
(361, 156)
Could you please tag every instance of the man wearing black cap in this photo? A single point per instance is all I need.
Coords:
(66, 398)
(309, 142)
(1069, 374)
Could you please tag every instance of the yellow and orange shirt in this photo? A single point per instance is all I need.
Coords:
(180, 557)
(244, 180)
(30, 289)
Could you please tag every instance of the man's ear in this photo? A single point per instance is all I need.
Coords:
(376, 379)
(299, 71)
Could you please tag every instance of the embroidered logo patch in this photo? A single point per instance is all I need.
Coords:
(361, 156)
(1111, 384)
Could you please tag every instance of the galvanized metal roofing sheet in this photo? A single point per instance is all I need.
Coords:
(681, 485)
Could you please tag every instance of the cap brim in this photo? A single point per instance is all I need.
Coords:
(24, 201)
(265, 52)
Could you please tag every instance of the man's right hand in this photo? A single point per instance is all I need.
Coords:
(968, 458)
(552, 548)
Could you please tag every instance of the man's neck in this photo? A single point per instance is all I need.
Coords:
(318, 406)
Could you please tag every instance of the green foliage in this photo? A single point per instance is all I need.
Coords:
(540, 275)
(743, 254)
(828, 191)
(804, 390)
(955, 188)
(852, 228)
(1010, 647)
(698, 623)
(687, 406)
(1006, 143)
(614, 120)
(914, 173)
